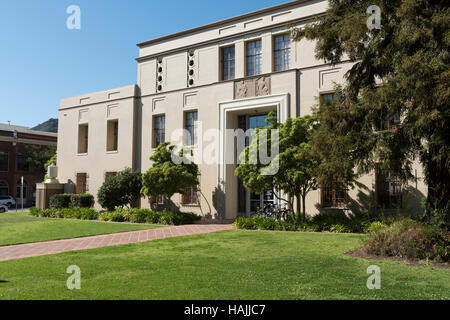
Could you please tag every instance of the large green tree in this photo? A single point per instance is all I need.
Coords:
(400, 75)
(295, 163)
(166, 177)
(38, 156)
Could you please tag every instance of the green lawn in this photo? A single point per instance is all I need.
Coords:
(226, 265)
(19, 228)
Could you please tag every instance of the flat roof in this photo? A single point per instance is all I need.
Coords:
(221, 22)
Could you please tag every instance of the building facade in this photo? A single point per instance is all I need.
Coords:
(14, 140)
(223, 76)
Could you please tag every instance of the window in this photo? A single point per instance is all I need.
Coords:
(254, 58)
(329, 97)
(4, 189)
(22, 164)
(191, 128)
(4, 161)
(112, 139)
(82, 186)
(159, 130)
(228, 63)
(282, 52)
(109, 175)
(386, 120)
(25, 189)
(190, 197)
(388, 191)
(83, 138)
(333, 197)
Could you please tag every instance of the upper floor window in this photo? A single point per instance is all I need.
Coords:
(254, 58)
(228, 63)
(282, 52)
(386, 120)
(83, 138)
(190, 126)
(112, 141)
(4, 161)
(159, 130)
(22, 164)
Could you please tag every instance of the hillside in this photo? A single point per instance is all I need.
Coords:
(48, 126)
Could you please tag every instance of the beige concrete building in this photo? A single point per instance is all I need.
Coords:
(226, 75)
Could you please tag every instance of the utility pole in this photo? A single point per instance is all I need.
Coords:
(21, 191)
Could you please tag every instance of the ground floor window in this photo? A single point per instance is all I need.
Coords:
(81, 184)
(333, 196)
(4, 188)
(388, 190)
(190, 197)
(110, 174)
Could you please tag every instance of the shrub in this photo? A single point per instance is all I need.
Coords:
(66, 213)
(82, 201)
(375, 227)
(60, 201)
(410, 239)
(122, 190)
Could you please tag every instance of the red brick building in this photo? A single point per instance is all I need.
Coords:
(13, 165)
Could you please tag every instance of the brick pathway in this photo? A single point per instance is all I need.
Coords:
(54, 247)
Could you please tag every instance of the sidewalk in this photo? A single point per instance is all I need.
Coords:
(59, 246)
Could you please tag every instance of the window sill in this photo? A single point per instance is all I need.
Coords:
(112, 152)
(193, 205)
(82, 154)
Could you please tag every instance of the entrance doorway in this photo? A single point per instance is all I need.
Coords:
(249, 202)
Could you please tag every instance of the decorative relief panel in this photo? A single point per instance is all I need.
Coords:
(255, 87)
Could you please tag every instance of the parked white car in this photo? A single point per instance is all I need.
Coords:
(3, 208)
(7, 201)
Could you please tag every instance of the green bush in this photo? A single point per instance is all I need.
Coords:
(147, 216)
(82, 201)
(121, 190)
(60, 201)
(66, 213)
(410, 239)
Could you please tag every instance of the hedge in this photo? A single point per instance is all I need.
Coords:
(122, 215)
(64, 201)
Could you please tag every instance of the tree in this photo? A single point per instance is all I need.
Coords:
(296, 162)
(400, 75)
(166, 178)
(121, 190)
(37, 156)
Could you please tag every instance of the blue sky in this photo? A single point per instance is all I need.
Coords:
(41, 61)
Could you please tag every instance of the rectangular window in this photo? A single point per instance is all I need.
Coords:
(109, 175)
(22, 164)
(112, 143)
(159, 130)
(254, 58)
(81, 186)
(386, 120)
(389, 192)
(190, 197)
(328, 97)
(333, 197)
(282, 52)
(4, 161)
(190, 126)
(228, 63)
(83, 138)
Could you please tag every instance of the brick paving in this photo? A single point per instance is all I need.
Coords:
(53, 247)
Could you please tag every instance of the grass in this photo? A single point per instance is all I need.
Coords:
(226, 265)
(20, 228)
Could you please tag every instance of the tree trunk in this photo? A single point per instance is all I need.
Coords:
(299, 208)
(304, 206)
